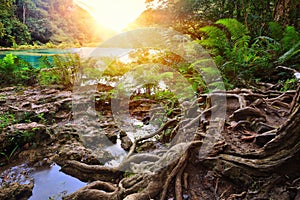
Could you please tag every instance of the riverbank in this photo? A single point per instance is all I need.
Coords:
(50, 45)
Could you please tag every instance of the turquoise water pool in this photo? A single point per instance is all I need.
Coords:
(33, 56)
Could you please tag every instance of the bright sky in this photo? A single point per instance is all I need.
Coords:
(114, 14)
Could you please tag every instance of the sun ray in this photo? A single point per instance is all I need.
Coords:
(114, 14)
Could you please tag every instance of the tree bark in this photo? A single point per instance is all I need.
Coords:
(282, 11)
(24, 13)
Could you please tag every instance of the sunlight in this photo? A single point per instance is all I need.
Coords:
(113, 14)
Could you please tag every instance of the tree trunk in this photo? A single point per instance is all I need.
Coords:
(282, 11)
(24, 13)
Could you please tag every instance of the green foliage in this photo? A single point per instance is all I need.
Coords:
(287, 44)
(12, 31)
(68, 70)
(36, 18)
(6, 119)
(8, 155)
(15, 141)
(61, 70)
(291, 37)
(116, 68)
(276, 31)
(230, 50)
(240, 58)
(289, 84)
(187, 16)
(236, 29)
(14, 70)
(216, 39)
(26, 21)
(293, 52)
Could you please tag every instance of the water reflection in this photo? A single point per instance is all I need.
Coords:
(50, 183)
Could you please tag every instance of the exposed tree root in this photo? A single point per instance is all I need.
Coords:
(91, 172)
(166, 125)
(95, 191)
(110, 183)
(178, 183)
(175, 171)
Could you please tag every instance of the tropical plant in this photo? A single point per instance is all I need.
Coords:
(14, 70)
(60, 69)
(241, 58)
(229, 45)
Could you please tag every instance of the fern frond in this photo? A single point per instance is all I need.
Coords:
(242, 42)
(215, 37)
(235, 28)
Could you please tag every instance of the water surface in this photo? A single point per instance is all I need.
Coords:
(50, 183)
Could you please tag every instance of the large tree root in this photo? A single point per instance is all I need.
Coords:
(141, 186)
(113, 183)
(91, 172)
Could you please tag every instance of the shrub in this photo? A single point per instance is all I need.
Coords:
(14, 71)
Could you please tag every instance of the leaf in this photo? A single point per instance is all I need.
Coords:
(289, 54)
(236, 29)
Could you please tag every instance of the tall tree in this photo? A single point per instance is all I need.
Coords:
(12, 31)
(35, 18)
(188, 15)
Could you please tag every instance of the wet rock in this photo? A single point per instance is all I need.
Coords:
(103, 156)
(2, 100)
(16, 183)
(62, 114)
(49, 91)
(75, 151)
(95, 141)
(7, 89)
(112, 136)
(146, 120)
(67, 132)
(16, 191)
(126, 143)
(17, 174)
(122, 133)
(29, 126)
(24, 133)
(26, 105)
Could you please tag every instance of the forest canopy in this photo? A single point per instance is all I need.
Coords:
(42, 21)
